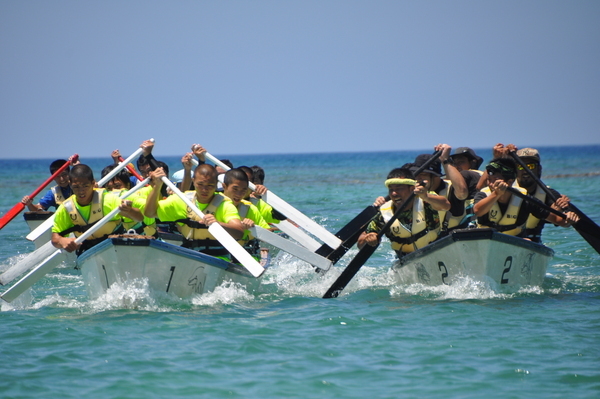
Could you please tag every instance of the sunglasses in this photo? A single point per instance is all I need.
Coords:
(530, 166)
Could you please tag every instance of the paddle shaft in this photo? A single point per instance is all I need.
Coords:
(47, 265)
(366, 251)
(132, 170)
(15, 210)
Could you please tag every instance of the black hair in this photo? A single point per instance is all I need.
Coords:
(81, 171)
(401, 173)
(235, 174)
(227, 162)
(248, 171)
(205, 169)
(56, 165)
(258, 174)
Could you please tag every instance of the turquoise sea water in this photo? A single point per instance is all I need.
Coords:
(376, 340)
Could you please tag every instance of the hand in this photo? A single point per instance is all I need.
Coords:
(186, 161)
(115, 155)
(420, 190)
(126, 206)
(26, 200)
(499, 187)
(379, 201)
(74, 160)
(209, 219)
(68, 244)
(572, 218)
(247, 223)
(147, 146)
(199, 151)
(371, 239)
(157, 175)
(259, 191)
(561, 203)
(445, 148)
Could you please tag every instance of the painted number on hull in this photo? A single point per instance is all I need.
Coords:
(507, 266)
(444, 273)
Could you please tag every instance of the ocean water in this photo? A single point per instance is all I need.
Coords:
(376, 340)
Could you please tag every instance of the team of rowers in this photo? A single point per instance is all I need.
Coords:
(433, 203)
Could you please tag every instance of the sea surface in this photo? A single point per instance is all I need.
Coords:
(377, 340)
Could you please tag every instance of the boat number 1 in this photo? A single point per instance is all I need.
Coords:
(507, 266)
(444, 273)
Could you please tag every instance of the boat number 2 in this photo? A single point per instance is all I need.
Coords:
(444, 273)
(507, 266)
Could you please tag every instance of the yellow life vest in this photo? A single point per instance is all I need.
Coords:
(139, 227)
(447, 220)
(58, 195)
(96, 213)
(199, 231)
(505, 223)
(404, 240)
(532, 221)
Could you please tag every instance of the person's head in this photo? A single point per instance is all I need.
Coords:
(205, 182)
(400, 184)
(121, 180)
(430, 177)
(144, 166)
(248, 171)
(227, 162)
(235, 185)
(504, 169)
(258, 174)
(464, 158)
(62, 179)
(531, 158)
(82, 183)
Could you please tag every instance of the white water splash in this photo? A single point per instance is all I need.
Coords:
(227, 293)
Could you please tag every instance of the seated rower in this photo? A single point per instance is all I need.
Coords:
(534, 225)
(235, 187)
(57, 194)
(84, 208)
(496, 207)
(216, 209)
(418, 223)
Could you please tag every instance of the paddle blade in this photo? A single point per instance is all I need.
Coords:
(10, 215)
(350, 271)
(34, 275)
(27, 263)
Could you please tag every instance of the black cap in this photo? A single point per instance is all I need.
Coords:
(469, 153)
(434, 168)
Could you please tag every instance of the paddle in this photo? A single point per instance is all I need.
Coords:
(131, 170)
(365, 253)
(586, 227)
(222, 235)
(279, 204)
(57, 256)
(42, 228)
(10, 215)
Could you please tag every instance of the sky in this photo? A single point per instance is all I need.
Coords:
(266, 77)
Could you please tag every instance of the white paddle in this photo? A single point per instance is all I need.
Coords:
(222, 235)
(51, 261)
(289, 211)
(42, 228)
(291, 248)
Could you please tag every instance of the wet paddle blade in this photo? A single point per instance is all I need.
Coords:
(34, 275)
(350, 271)
(27, 263)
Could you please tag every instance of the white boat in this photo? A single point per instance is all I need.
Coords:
(168, 268)
(479, 254)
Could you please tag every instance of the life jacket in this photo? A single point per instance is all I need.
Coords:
(404, 240)
(505, 223)
(139, 227)
(250, 244)
(533, 229)
(447, 220)
(96, 213)
(59, 198)
(195, 233)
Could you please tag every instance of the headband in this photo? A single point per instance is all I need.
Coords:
(396, 180)
(505, 171)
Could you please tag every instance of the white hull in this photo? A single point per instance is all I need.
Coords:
(34, 220)
(479, 254)
(167, 268)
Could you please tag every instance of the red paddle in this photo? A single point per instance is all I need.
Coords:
(132, 170)
(10, 215)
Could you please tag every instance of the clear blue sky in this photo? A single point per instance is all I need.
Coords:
(243, 77)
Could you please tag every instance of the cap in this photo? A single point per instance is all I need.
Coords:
(177, 177)
(434, 168)
(469, 153)
(529, 153)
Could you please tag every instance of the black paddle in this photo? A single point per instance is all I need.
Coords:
(586, 227)
(365, 253)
